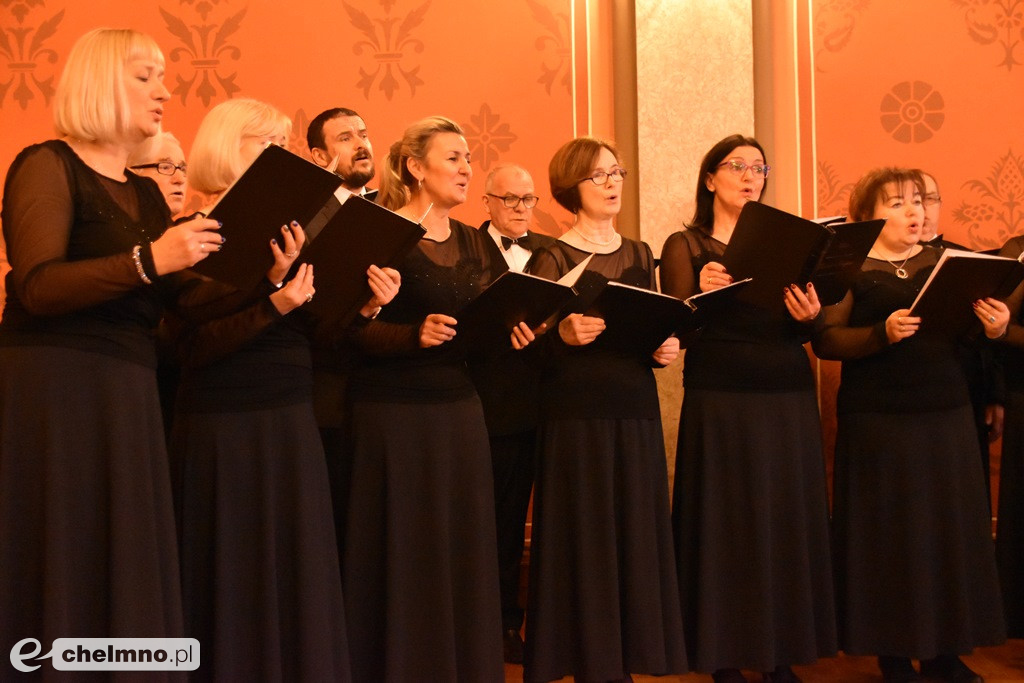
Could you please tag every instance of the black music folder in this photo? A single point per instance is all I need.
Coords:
(360, 234)
(777, 249)
(486, 322)
(958, 280)
(277, 188)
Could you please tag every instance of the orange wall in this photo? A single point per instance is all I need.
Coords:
(500, 69)
(937, 85)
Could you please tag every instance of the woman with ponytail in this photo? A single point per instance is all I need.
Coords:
(420, 546)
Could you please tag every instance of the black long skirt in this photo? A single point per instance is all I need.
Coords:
(420, 561)
(260, 578)
(914, 559)
(751, 523)
(1010, 531)
(87, 539)
(603, 600)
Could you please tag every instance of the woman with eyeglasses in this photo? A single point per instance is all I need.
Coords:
(914, 561)
(603, 601)
(162, 159)
(750, 509)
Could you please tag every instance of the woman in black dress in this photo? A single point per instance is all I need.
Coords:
(914, 562)
(420, 550)
(603, 601)
(260, 575)
(86, 523)
(751, 508)
(1010, 528)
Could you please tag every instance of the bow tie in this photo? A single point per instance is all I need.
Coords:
(507, 242)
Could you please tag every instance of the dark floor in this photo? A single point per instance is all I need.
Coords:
(1003, 664)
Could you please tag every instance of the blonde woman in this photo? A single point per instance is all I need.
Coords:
(420, 546)
(86, 523)
(260, 577)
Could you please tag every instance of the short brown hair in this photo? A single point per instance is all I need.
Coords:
(871, 187)
(571, 164)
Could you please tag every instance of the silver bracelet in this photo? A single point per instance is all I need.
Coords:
(138, 264)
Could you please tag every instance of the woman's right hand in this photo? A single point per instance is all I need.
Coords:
(578, 329)
(186, 244)
(296, 292)
(436, 330)
(900, 325)
(713, 276)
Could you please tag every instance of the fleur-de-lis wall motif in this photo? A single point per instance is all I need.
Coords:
(487, 137)
(24, 50)
(999, 21)
(557, 65)
(387, 44)
(994, 209)
(548, 224)
(833, 194)
(912, 111)
(205, 49)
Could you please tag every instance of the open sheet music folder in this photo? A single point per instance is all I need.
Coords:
(777, 249)
(957, 281)
(278, 187)
(358, 235)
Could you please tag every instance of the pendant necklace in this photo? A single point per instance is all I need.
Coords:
(901, 272)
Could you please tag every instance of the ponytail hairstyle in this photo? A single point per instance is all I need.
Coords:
(397, 184)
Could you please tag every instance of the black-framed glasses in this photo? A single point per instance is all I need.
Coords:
(164, 167)
(738, 167)
(511, 201)
(601, 177)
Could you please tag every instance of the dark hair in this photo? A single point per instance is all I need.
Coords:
(704, 213)
(572, 163)
(871, 187)
(315, 132)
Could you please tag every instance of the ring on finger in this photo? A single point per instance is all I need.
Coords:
(309, 297)
(991, 318)
(291, 254)
(202, 246)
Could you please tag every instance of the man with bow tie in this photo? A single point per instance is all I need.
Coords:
(508, 384)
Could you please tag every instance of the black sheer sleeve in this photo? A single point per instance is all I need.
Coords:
(836, 340)
(38, 214)
(677, 276)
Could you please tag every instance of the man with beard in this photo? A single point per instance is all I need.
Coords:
(338, 141)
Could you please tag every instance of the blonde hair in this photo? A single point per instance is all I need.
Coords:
(397, 181)
(146, 151)
(216, 159)
(91, 103)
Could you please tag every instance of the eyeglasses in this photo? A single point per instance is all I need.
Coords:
(931, 199)
(164, 167)
(511, 201)
(601, 177)
(738, 167)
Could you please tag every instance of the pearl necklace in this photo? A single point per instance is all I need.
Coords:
(615, 236)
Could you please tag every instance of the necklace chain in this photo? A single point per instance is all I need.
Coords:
(593, 241)
(901, 272)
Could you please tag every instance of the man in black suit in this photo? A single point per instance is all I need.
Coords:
(981, 362)
(508, 383)
(338, 141)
